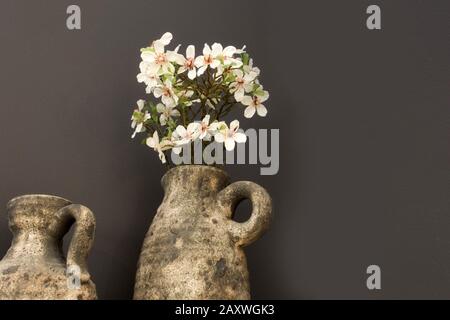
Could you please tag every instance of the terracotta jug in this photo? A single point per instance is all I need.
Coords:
(34, 266)
(193, 249)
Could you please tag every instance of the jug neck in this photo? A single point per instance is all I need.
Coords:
(35, 245)
(37, 229)
(194, 181)
(37, 213)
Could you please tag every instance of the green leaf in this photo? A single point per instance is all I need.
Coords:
(153, 113)
(257, 89)
(245, 58)
(148, 49)
(137, 114)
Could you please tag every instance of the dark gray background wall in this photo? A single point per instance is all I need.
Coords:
(363, 118)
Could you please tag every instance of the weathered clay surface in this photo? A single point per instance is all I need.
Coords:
(34, 266)
(193, 249)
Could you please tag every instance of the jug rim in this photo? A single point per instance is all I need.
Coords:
(37, 197)
(205, 167)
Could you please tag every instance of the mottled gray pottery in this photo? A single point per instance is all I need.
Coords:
(34, 266)
(193, 249)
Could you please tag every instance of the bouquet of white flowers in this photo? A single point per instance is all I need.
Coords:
(193, 94)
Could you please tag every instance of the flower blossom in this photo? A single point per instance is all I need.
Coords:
(167, 112)
(243, 83)
(188, 62)
(206, 60)
(254, 104)
(166, 93)
(138, 118)
(183, 135)
(159, 146)
(230, 136)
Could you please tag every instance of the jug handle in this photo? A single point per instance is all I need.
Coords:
(246, 232)
(83, 237)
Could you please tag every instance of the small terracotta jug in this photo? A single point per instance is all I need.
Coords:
(193, 249)
(34, 266)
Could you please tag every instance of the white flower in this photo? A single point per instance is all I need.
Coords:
(167, 112)
(171, 77)
(225, 56)
(251, 69)
(218, 126)
(147, 76)
(188, 62)
(175, 138)
(154, 143)
(254, 104)
(159, 61)
(138, 118)
(205, 131)
(185, 96)
(183, 135)
(230, 136)
(207, 59)
(188, 134)
(165, 38)
(242, 83)
(166, 93)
